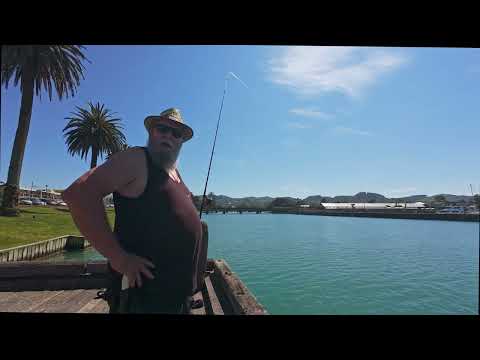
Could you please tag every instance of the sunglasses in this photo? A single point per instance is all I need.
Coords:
(177, 134)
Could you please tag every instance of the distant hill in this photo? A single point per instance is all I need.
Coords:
(315, 200)
(414, 198)
(226, 201)
(452, 198)
(370, 197)
(359, 197)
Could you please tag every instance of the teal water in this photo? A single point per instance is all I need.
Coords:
(298, 264)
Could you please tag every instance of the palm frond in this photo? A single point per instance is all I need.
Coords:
(93, 128)
(56, 67)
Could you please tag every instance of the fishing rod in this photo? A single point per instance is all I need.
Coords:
(216, 132)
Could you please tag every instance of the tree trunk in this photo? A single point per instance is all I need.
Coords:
(93, 163)
(10, 198)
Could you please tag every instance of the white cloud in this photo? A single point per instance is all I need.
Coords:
(347, 130)
(310, 113)
(311, 70)
(298, 125)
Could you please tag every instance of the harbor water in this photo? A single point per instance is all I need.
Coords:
(299, 264)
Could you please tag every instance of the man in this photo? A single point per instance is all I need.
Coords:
(156, 247)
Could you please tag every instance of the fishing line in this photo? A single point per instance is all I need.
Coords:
(230, 74)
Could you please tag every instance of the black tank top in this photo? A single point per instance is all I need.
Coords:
(163, 226)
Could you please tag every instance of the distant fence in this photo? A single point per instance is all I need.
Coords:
(43, 248)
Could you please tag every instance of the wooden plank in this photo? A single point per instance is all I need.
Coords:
(5, 297)
(52, 283)
(33, 268)
(90, 306)
(212, 296)
(201, 257)
(82, 299)
(200, 311)
(38, 307)
(101, 307)
(34, 251)
(242, 301)
(65, 301)
(56, 303)
(7, 300)
(13, 302)
(33, 304)
(47, 301)
(98, 267)
(21, 276)
(27, 299)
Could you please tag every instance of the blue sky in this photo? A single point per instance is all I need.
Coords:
(314, 120)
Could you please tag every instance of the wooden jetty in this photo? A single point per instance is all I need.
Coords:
(71, 287)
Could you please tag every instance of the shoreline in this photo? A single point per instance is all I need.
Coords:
(383, 215)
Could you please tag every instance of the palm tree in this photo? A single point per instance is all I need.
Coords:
(122, 148)
(93, 129)
(33, 66)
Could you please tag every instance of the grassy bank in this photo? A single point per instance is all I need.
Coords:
(37, 223)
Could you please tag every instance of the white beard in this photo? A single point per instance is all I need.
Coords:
(164, 160)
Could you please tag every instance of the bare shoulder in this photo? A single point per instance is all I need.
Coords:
(134, 162)
(122, 169)
(132, 156)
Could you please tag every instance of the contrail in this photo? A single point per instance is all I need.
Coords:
(236, 77)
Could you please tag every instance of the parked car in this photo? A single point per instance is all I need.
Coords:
(52, 202)
(26, 202)
(38, 202)
(62, 203)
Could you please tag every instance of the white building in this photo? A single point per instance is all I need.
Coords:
(371, 206)
(49, 194)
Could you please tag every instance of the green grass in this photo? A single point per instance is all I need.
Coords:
(37, 223)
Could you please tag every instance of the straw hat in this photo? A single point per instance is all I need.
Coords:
(170, 117)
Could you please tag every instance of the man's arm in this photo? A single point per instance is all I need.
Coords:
(85, 200)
